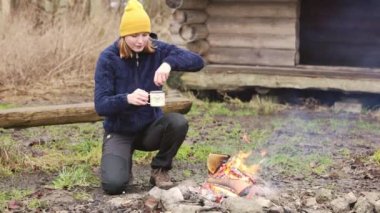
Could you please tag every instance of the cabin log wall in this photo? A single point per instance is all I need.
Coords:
(188, 27)
(252, 32)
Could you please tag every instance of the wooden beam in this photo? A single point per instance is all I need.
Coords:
(222, 25)
(250, 56)
(264, 9)
(70, 113)
(260, 40)
(229, 77)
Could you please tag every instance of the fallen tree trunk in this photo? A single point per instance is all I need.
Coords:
(70, 113)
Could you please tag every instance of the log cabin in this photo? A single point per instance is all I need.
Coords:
(301, 44)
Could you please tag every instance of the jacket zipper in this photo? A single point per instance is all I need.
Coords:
(137, 69)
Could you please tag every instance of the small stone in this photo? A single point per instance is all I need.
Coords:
(377, 206)
(151, 204)
(351, 198)
(323, 195)
(276, 209)
(311, 202)
(363, 206)
(340, 205)
(372, 197)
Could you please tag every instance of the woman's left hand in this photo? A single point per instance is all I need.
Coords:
(162, 74)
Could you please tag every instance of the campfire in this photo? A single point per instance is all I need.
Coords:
(230, 176)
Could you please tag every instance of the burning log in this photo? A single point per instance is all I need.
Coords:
(238, 186)
(230, 176)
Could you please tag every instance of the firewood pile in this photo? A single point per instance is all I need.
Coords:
(188, 27)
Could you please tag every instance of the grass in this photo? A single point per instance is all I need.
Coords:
(77, 176)
(300, 164)
(77, 147)
(12, 158)
(376, 156)
(35, 204)
(6, 106)
(11, 195)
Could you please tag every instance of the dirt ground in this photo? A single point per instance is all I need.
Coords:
(296, 131)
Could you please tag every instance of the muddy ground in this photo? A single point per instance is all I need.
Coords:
(306, 136)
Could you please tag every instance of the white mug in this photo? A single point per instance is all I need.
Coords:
(157, 98)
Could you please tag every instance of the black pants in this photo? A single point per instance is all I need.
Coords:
(165, 134)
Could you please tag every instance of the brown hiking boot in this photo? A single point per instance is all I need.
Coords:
(161, 179)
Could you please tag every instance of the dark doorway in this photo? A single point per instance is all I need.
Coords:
(340, 33)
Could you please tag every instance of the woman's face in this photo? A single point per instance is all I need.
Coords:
(137, 42)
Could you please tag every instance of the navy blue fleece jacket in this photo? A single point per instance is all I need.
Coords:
(115, 78)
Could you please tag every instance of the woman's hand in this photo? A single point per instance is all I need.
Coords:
(162, 74)
(138, 97)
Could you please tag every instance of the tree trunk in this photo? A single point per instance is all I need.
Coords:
(70, 113)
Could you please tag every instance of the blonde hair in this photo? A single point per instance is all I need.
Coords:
(126, 52)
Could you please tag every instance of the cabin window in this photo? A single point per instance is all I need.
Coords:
(340, 33)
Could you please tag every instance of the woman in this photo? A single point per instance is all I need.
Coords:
(125, 73)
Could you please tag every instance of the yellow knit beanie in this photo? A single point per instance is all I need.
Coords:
(134, 20)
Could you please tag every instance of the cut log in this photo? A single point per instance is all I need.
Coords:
(229, 78)
(177, 40)
(236, 185)
(70, 113)
(190, 16)
(175, 27)
(251, 26)
(187, 4)
(193, 32)
(264, 41)
(7, 8)
(253, 9)
(250, 56)
(201, 46)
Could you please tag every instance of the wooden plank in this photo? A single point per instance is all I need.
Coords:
(265, 41)
(70, 113)
(250, 56)
(222, 25)
(253, 9)
(238, 77)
